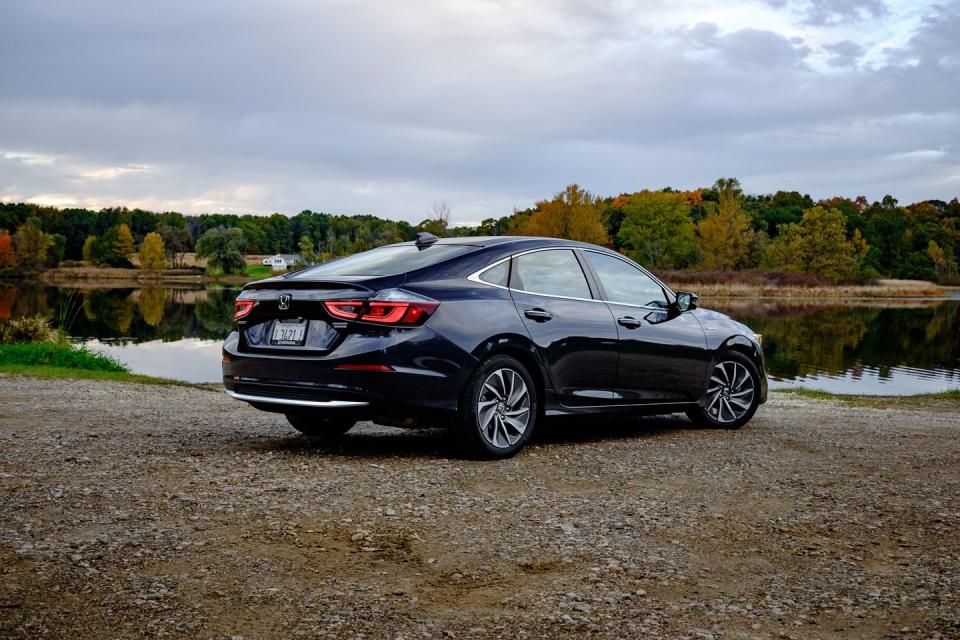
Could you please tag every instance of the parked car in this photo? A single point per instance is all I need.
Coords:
(486, 335)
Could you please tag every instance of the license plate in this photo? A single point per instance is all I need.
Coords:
(289, 333)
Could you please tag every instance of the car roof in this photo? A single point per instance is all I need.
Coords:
(500, 241)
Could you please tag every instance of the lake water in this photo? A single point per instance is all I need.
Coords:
(862, 347)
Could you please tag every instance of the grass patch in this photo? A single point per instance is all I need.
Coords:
(64, 356)
(53, 372)
(258, 271)
(60, 360)
(940, 400)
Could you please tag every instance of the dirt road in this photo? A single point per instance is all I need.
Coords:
(137, 510)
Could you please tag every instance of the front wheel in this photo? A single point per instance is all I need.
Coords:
(320, 427)
(498, 409)
(732, 394)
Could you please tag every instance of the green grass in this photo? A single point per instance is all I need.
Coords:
(949, 398)
(258, 271)
(58, 360)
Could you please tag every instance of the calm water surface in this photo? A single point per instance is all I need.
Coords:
(864, 347)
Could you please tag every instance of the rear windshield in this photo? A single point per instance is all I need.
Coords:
(385, 261)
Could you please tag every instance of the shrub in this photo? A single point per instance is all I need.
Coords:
(27, 329)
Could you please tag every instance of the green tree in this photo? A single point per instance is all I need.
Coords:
(307, 251)
(223, 248)
(31, 245)
(90, 250)
(176, 242)
(656, 229)
(724, 236)
(152, 254)
(817, 245)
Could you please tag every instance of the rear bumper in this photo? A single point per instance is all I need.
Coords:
(426, 375)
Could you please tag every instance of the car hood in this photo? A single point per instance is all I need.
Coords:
(717, 319)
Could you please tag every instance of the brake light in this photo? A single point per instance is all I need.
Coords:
(390, 306)
(243, 308)
(346, 309)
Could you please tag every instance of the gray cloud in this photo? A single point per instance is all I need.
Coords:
(828, 12)
(844, 53)
(373, 107)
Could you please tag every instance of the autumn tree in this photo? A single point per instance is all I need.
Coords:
(656, 229)
(123, 244)
(8, 258)
(817, 245)
(573, 214)
(152, 254)
(223, 248)
(31, 245)
(724, 236)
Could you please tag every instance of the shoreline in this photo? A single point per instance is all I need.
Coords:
(87, 277)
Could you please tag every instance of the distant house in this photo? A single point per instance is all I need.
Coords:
(284, 261)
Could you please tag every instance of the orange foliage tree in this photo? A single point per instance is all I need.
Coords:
(573, 214)
(8, 259)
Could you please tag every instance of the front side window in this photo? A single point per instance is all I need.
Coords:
(624, 283)
(555, 272)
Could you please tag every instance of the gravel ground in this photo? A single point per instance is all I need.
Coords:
(136, 510)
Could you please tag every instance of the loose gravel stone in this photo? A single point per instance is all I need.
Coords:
(174, 512)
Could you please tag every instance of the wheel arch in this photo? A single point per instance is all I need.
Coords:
(525, 352)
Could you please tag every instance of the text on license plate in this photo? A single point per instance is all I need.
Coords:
(289, 332)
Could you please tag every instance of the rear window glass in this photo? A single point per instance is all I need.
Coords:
(497, 275)
(385, 261)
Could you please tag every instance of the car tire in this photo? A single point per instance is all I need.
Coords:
(320, 427)
(732, 395)
(498, 409)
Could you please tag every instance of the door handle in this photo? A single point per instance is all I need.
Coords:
(539, 315)
(629, 322)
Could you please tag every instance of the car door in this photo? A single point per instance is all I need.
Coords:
(574, 332)
(663, 353)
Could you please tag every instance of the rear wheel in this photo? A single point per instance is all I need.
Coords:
(732, 394)
(498, 409)
(320, 427)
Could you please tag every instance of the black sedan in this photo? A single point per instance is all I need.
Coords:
(487, 336)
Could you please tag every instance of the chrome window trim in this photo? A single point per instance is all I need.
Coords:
(475, 277)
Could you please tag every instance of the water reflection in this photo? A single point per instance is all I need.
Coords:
(877, 347)
(901, 348)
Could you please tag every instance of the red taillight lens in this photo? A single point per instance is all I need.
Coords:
(364, 367)
(392, 306)
(243, 308)
(346, 309)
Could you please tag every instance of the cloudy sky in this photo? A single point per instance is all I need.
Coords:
(383, 106)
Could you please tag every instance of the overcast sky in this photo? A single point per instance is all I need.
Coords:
(382, 107)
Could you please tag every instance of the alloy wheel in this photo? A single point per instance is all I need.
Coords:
(731, 391)
(503, 408)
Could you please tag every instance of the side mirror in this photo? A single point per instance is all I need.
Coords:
(686, 301)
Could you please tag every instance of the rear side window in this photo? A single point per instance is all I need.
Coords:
(385, 261)
(497, 274)
(555, 272)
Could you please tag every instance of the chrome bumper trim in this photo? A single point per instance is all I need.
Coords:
(325, 404)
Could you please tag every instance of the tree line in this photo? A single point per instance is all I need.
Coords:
(719, 228)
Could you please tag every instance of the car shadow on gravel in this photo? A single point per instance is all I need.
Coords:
(374, 441)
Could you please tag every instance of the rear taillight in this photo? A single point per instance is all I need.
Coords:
(390, 306)
(243, 308)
